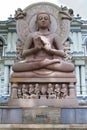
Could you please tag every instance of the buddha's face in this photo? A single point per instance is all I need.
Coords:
(43, 20)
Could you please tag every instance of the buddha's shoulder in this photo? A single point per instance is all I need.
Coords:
(31, 35)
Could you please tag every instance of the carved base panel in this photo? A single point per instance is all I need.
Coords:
(31, 92)
(43, 90)
(69, 103)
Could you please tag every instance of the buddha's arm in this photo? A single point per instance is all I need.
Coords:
(27, 48)
(55, 52)
(59, 47)
(58, 52)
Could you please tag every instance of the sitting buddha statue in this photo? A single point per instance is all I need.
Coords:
(43, 53)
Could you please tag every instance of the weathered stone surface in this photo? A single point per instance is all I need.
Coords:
(57, 92)
(43, 69)
(42, 115)
(74, 115)
(69, 102)
(10, 116)
(43, 127)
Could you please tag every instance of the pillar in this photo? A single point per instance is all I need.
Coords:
(75, 41)
(9, 39)
(79, 41)
(71, 45)
(6, 81)
(11, 70)
(78, 80)
(0, 89)
(83, 85)
(14, 40)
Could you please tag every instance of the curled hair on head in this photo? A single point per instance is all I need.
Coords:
(42, 12)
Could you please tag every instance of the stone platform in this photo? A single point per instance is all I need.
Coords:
(45, 115)
(43, 127)
(28, 103)
(43, 118)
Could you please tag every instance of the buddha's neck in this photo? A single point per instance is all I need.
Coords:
(44, 31)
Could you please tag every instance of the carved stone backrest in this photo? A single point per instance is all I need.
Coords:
(60, 23)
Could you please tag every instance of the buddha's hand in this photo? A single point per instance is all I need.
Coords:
(38, 41)
(44, 40)
(47, 47)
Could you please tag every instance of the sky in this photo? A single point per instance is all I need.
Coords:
(8, 7)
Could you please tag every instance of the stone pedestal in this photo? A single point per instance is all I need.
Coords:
(34, 92)
(36, 103)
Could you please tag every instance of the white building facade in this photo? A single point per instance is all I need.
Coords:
(78, 44)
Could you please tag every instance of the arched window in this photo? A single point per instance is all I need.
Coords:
(85, 43)
(1, 47)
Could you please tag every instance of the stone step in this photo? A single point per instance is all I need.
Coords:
(43, 126)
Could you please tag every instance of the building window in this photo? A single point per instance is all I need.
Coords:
(85, 43)
(1, 47)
